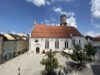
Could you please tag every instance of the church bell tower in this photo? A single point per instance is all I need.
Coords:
(63, 20)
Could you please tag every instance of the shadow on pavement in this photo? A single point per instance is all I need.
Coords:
(96, 69)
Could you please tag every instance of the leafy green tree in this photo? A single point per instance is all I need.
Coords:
(90, 50)
(79, 55)
(50, 62)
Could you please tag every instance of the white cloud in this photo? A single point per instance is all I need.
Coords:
(13, 32)
(60, 11)
(72, 21)
(46, 2)
(46, 21)
(93, 34)
(53, 19)
(1, 32)
(38, 2)
(95, 24)
(95, 8)
(55, 1)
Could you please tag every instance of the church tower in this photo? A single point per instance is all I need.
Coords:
(63, 20)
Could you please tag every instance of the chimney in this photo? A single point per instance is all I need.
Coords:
(63, 20)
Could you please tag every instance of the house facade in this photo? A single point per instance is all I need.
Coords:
(12, 45)
(1, 47)
(22, 46)
(9, 50)
(58, 38)
(96, 42)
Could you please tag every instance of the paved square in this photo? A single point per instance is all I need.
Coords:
(29, 64)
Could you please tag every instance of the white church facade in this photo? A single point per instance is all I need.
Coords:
(57, 38)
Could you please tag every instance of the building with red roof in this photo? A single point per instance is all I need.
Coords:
(45, 37)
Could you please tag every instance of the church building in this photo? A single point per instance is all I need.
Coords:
(58, 38)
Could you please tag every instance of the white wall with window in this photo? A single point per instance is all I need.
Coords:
(78, 40)
(56, 44)
(96, 44)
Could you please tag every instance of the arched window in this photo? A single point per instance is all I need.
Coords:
(66, 44)
(57, 44)
(73, 42)
(46, 44)
(79, 42)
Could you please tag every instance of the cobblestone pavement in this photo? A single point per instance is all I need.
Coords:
(29, 64)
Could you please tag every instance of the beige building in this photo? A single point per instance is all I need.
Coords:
(12, 45)
(21, 46)
(1, 47)
(22, 43)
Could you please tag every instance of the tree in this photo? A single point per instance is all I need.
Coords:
(90, 50)
(50, 62)
(79, 55)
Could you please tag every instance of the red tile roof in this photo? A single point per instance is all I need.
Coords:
(45, 31)
(97, 38)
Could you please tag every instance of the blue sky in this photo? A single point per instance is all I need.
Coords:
(19, 15)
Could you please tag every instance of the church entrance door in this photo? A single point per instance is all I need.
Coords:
(37, 50)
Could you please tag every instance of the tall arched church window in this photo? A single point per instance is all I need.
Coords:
(57, 44)
(73, 42)
(79, 42)
(66, 44)
(46, 44)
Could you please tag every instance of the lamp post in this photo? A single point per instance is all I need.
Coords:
(18, 70)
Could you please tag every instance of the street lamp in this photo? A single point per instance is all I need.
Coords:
(18, 70)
